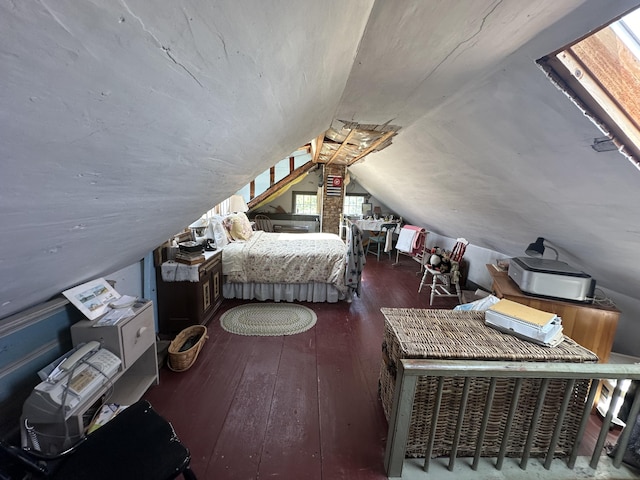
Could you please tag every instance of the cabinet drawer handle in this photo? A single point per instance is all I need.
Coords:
(141, 330)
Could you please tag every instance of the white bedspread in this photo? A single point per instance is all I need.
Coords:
(286, 258)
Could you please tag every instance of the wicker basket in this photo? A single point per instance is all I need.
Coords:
(180, 361)
(447, 334)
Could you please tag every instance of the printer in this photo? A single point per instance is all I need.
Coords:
(551, 278)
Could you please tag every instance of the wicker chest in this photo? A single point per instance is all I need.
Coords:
(462, 335)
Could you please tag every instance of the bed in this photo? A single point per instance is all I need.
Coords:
(285, 267)
(306, 267)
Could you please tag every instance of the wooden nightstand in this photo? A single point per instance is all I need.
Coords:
(184, 302)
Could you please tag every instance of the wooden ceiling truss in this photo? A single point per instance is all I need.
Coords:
(351, 142)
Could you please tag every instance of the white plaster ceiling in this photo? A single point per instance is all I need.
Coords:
(123, 121)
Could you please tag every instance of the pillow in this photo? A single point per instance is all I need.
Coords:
(238, 226)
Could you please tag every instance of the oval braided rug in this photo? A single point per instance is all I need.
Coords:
(268, 319)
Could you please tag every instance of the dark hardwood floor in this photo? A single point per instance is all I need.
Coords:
(294, 407)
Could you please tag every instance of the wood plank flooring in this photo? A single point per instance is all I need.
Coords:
(294, 407)
(302, 406)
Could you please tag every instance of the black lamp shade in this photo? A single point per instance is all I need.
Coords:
(535, 249)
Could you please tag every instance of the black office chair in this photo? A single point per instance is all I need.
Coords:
(138, 444)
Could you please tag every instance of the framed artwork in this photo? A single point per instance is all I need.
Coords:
(366, 208)
(92, 298)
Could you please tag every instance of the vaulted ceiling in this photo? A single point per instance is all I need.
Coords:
(123, 121)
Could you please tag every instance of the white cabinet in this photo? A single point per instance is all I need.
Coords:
(133, 340)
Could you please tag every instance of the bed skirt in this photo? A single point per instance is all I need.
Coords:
(284, 292)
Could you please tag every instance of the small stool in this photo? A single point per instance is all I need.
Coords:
(138, 444)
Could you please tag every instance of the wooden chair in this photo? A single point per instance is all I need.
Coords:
(263, 223)
(441, 283)
(379, 239)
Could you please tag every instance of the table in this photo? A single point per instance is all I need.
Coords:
(592, 326)
(374, 225)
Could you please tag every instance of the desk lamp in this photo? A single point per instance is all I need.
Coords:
(536, 249)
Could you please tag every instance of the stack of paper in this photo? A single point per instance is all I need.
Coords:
(107, 412)
(524, 322)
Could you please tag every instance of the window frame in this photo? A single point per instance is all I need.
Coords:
(359, 209)
(295, 194)
(571, 74)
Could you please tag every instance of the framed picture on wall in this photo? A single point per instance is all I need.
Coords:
(366, 208)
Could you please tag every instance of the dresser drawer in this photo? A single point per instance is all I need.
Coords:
(137, 335)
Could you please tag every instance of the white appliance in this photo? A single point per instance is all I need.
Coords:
(47, 414)
(551, 278)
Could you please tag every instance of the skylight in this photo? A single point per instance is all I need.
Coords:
(601, 75)
(628, 30)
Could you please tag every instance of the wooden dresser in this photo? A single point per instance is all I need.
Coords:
(184, 302)
(592, 326)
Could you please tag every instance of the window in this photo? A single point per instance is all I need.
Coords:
(601, 75)
(305, 203)
(353, 204)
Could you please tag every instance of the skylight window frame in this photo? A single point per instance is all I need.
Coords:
(567, 70)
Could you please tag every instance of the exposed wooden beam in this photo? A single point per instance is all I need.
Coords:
(342, 145)
(319, 142)
(373, 146)
(281, 184)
